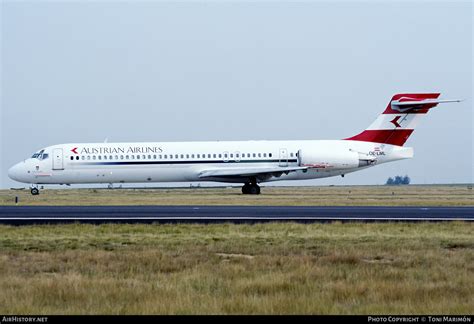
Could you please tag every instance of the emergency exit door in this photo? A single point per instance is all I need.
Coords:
(283, 157)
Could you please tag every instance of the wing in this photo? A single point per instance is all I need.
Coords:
(243, 173)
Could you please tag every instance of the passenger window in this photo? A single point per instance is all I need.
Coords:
(138, 157)
(88, 157)
(99, 157)
(259, 155)
(254, 155)
(182, 156)
(105, 157)
(72, 158)
(231, 155)
(154, 157)
(121, 157)
(214, 156)
(291, 154)
(198, 156)
(225, 155)
(132, 157)
(144, 157)
(83, 157)
(270, 154)
(77, 158)
(192, 156)
(93, 157)
(176, 156)
(264, 154)
(160, 156)
(165, 157)
(116, 157)
(220, 156)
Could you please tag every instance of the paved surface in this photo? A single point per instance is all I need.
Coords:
(27, 215)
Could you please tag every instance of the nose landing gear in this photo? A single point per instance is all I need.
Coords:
(34, 191)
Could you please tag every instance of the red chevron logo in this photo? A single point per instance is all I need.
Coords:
(395, 121)
(74, 150)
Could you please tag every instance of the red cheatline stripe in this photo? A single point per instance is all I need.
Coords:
(386, 136)
(412, 97)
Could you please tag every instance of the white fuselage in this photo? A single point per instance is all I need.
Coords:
(191, 161)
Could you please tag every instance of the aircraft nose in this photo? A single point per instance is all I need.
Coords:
(16, 172)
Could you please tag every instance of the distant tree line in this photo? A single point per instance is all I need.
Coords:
(398, 180)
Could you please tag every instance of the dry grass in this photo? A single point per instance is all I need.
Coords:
(238, 269)
(413, 195)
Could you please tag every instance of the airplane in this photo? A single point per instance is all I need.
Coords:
(246, 162)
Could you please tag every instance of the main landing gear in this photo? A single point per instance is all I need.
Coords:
(34, 191)
(251, 188)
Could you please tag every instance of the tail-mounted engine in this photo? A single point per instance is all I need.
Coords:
(336, 159)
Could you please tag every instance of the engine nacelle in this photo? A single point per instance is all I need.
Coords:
(335, 159)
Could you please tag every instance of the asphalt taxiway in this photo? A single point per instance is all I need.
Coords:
(28, 215)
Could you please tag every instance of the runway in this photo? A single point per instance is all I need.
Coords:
(28, 215)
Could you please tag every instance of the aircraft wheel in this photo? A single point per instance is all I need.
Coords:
(246, 189)
(34, 191)
(254, 190)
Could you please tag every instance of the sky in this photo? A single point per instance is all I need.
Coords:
(138, 71)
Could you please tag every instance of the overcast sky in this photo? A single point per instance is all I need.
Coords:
(191, 71)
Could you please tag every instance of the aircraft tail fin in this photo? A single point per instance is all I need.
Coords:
(399, 119)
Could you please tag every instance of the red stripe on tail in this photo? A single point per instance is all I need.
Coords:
(386, 136)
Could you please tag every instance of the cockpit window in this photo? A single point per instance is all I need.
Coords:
(40, 155)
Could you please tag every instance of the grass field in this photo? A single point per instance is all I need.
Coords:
(280, 268)
(413, 195)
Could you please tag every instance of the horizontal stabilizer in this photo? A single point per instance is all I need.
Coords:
(403, 104)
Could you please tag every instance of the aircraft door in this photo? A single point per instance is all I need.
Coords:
(58, 163)
(283, 157)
